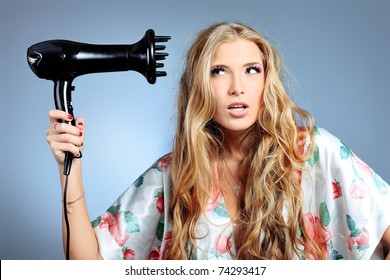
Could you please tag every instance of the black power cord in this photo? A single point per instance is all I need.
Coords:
(66, 219)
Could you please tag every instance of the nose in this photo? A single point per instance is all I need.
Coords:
(236, 85)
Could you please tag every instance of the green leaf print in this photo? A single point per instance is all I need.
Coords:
(363, 247)
(139, 182)
(131, 221)
(299, 231)
(324, 214)
(160, 231)
(157, 167)
(96, 222)
(220, 210)
(351, 223)
(352, 227)
(335, 255)
(316, 131)
(214, 254)
(314, 158)
(114, 209)
(159, 194)
(345, 152)
(356, 232)
(381, 185)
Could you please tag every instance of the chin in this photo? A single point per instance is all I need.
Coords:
(238, 129)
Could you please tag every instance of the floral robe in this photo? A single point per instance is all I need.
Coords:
(346, 210)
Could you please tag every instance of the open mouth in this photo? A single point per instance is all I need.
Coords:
(237, 107)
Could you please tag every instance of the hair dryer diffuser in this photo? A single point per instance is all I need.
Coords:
(61, 61)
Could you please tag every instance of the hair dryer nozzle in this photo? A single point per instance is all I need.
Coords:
(153, 56)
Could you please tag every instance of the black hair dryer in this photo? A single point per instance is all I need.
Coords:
(61, 61)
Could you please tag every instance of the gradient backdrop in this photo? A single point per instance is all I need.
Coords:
(337, 53)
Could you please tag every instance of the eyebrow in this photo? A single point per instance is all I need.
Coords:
(244, 65)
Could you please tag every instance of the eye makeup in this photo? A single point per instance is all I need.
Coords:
(254, 69)
(217, 70)
(250, 68)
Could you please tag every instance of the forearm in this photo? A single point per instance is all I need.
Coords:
(386, 243)
(83, 242)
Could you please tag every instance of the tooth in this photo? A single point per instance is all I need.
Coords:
(159, 47)
(161, 73)
(162, 38)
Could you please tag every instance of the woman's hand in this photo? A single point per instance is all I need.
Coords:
(63, 137)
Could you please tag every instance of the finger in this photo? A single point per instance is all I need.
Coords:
(65, 143)
(59, 149)
(65, 139)
(55, 115)
(52, 128)
(80, 123)
(61, 128)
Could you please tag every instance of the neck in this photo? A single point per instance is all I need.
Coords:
(232, 145)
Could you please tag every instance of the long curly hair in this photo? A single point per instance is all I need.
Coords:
(270, 222)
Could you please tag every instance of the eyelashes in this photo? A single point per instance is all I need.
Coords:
(217, 70)
(221, 70)
(254, 69)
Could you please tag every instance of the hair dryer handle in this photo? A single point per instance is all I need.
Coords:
(63, 101)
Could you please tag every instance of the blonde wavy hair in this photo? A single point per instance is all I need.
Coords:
(269, 184)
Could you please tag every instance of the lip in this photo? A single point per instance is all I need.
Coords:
(237, 113)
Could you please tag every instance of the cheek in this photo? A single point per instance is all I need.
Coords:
(218, 87)
(258, 95)
(261, 100)
(260, 91)
(219, 94)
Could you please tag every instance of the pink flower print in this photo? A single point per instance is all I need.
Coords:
(160, 202)
(165, 247)
(214, 199)
(222, 244)
(363, 238)
(359, 189)
(115, 226)
(107, 220)
(336, 189)
(128, 254)
(162, 251)
(155, 254)
(361, 241)
(164, 162)
(318, 233)
(363, 167)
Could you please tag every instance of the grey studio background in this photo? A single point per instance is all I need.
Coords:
(337, 53)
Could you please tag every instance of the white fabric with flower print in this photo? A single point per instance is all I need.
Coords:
(346, 209)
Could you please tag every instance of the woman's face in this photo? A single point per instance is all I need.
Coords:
(237, 81)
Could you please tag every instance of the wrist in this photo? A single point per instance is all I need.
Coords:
(75, 175)
(76, 165)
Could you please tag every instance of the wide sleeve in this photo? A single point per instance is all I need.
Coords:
(136, 223)
(347, 205)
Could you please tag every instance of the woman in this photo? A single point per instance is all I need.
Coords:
(250, 176)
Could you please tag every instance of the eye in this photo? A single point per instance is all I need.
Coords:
(217, 70)
(253, 69)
